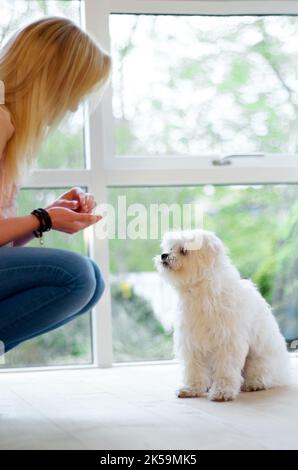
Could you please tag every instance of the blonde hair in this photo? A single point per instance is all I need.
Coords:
(47, 67)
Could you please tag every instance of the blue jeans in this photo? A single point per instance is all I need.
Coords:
(42, 289)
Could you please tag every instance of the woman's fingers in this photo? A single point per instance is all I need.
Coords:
(69, 204)
(87, 202)
(80, 195)
(84, 201)
(65, 219)
(91, 205)
(87, 218)
(84, 222)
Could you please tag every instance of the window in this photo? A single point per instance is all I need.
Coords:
(259, 225)
(200, 85)
(192, 82)
(191, 85)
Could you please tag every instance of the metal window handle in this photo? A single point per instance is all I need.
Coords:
(226, 160)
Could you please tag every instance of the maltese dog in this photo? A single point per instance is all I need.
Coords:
(225, 334)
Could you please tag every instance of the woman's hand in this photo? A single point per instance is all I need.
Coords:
(69, 221)
(75, 199)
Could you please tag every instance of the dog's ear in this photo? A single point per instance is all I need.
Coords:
(214, 244)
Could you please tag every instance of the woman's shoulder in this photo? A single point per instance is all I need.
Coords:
(5, 121)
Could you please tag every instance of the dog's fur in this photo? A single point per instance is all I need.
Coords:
(225, 334)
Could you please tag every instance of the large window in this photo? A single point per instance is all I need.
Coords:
(258, 224)
(198, 85)
(192, 82)
(190, 87)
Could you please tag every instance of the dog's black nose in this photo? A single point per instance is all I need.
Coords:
(164, 256)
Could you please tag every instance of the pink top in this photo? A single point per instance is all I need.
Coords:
(8, 195)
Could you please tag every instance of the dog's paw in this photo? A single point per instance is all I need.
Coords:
(252, 386)
(189, 392)
(217, 393)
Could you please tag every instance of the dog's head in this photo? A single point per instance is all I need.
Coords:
(188, 257)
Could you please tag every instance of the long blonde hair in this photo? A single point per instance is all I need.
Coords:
(47, 67)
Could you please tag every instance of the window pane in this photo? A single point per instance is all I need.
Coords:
(257, 223)
(70, 344)
(64, 148)
(190, 85)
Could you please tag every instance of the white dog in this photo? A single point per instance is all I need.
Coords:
(225, 333)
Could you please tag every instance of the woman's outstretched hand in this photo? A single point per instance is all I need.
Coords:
(75, 199)
(72, 211)
(69, 221)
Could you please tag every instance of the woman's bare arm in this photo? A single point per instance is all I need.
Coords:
(14, 228)
(63, 219)
(23, 240)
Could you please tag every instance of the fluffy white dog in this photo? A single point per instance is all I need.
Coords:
(225, 333)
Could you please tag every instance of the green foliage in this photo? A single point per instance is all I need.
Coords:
(217, 84)
(238, 75)
(123, 135)
(62, 151)
(285, 283)
(67, 345)
(259, 225)
(190, 70)
(264, 277)
(137, 334)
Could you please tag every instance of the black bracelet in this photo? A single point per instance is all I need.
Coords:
(46, 219)
(45, 222)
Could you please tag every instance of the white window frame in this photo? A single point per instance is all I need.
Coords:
(104, 169)
(177, 170)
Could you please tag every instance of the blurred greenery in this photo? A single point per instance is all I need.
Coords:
(258, 224)
(137, 334)
(207, 84)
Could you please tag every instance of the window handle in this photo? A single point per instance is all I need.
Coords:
(226, 159)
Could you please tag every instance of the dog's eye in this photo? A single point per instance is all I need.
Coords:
(183, 251)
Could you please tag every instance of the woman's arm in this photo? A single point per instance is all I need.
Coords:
(75, 199)
(15, 228)
(63, 220)
(24, 239)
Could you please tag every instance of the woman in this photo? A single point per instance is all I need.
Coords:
(47, 68)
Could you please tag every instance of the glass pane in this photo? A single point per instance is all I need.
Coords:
(257, 223)
(191, 85)
(70, 344)
(64, 148)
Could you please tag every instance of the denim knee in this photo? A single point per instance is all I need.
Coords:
(87, 281)
(83, 281)
(91, 279)
(100, 284)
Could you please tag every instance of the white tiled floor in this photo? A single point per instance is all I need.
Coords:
(135, 407)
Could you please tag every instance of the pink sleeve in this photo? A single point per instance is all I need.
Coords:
(10, 209)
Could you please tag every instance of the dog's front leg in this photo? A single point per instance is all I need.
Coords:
(227, 364)
(196, 380)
